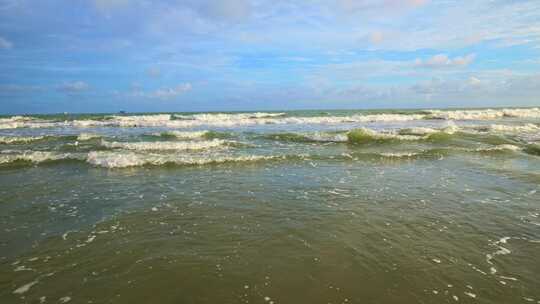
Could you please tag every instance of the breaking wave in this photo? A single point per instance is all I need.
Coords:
(400, 154)
(139, 120)
(184, 134)
(130, 159)
(486, 114)
(246, 119)
(123, 159)
(503, 147)
(527, 128)
(14, 122)
(210, 117)
(308, 137)
(87, 136)
(19, 139)
(365, 135)
(165, 146)
(31, 139)
(39, 157)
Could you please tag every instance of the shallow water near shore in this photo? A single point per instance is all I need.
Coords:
(292, 207)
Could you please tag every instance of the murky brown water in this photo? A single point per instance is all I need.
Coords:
(447, 219)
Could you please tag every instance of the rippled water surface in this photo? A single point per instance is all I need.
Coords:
(293, 207)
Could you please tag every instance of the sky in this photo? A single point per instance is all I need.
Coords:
(229, 55)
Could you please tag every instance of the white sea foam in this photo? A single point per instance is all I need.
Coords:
(25, 287)
(382, 135)
(450, 128)
(87, 136)
(132, 159)
(225, 116)
(19, 139)
(501, 251)
(121, 159)
(503, 147)
(218, 119)
(418, 131)
(470, 294)
(185, 134)
(487, 114)
(326, 137)
(348, 119)
(140, 120)
(83, 123)
(399, 154)
(244, 119)
(14, 122)
(164, 146)
(38, 156)
(15, 118)
(527, 128)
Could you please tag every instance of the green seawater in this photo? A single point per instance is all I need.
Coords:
(296, 207)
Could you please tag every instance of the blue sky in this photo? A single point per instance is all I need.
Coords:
(201, 55)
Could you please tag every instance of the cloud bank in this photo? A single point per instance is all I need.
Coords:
(250, 54)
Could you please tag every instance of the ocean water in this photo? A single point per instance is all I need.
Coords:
(434, 206)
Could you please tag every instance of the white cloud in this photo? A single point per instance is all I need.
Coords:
(518, 89)
(73, 87)
(162, 93)
(335, 25)
(443, 61)
(5, 44)
(170, 93)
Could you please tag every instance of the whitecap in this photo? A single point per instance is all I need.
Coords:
(164, 146)
(503, 147)
(19, 139)
(399, 154)
(185, 134)
(38, 156)
(25, 287)
(131, 159)
(485, 114)
(87, 136)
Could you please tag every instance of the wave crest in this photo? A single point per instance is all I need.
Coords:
(184, 134)
(164, 146)
(19, 139)
(259, 118)
(308, 137)
(130, 159)
(39, 157)
(87, 136)
(487, 114)
(364, 135)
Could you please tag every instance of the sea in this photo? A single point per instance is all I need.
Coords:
(321, 206)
